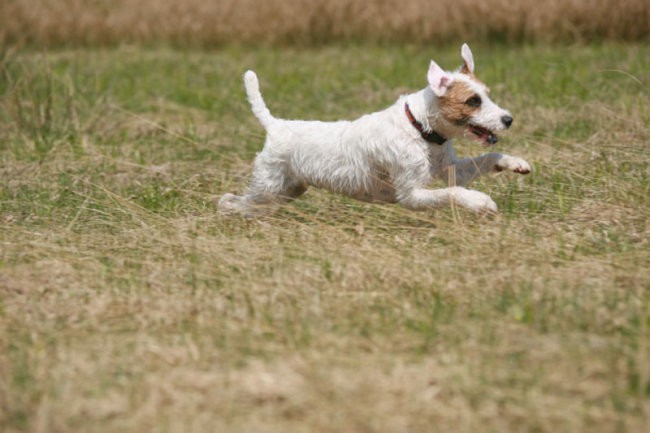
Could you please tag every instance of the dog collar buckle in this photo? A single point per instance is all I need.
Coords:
(430, 136)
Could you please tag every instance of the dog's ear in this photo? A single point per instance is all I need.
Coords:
(439, 79)
(468, 60)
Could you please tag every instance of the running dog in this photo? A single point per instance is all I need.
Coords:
(389, 156)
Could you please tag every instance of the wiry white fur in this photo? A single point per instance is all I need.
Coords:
(379, 157)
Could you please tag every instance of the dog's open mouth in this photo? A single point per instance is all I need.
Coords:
(486, 136)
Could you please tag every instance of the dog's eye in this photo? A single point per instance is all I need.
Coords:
(474, 101)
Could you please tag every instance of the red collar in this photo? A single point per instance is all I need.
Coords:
(430, 136)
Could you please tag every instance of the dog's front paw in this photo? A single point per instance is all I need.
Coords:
(513, 163)
(474, 200)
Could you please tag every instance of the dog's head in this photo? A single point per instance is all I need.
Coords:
(464, 105)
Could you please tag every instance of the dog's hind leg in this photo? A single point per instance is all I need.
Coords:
(258, 203)
(248, 205)
(270, 187)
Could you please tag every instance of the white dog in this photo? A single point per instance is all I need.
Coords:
(389, 156)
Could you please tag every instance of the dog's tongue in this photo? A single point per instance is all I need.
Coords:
(491, 139)
(483, 134)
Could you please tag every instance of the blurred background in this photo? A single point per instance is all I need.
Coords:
(309, 22)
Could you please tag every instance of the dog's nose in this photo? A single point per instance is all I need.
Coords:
(507, 120)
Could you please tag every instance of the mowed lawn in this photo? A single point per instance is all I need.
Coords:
(127, 304)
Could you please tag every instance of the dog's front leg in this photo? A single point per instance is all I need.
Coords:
(468, 169)
(420, 199)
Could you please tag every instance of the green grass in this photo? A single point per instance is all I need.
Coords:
(128, 304)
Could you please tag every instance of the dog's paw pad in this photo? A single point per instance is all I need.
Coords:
(514, 164)
(522, 167)
(522, 170)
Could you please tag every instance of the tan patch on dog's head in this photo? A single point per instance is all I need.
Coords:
(465, 70)
(456, 104)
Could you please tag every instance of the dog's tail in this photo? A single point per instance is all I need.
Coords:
(255, 98)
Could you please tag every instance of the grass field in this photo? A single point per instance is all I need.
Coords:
(127, 304)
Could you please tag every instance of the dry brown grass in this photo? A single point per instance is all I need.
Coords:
(200, 22)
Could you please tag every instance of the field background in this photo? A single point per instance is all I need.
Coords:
(309, 22)
(127, 304)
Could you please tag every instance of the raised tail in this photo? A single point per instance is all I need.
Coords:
(255, 98)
